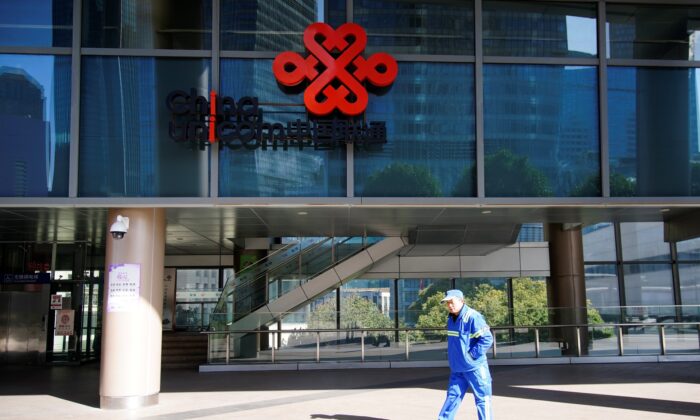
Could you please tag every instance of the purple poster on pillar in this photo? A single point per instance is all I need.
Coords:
(124, 281)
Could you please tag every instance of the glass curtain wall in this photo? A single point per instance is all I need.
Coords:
(196, 293)
(653, 104)
(35, 100)
(127, 148)
(630, 273)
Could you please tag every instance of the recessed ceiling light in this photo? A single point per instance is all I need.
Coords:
(486, 212)
(302, 213)
(665, 210)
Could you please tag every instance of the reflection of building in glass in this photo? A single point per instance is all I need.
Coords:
(23, 167)
(622, 85)
(268, 172)
(253, 25)
(548, 114)
(60, 134)
(121, 137)
(429, 119)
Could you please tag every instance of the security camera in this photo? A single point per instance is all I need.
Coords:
(120, 227)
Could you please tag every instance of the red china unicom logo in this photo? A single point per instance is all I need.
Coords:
(348, 71)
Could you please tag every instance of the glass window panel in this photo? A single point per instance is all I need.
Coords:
(488, 296)
(599, 242)
(540, 29)
(413, 294)
(367, 304)
(171, 24)
(275, 173)
(267, 25)
(320, 313)
(36, 23)
(690, 287)
(531, 232)
(530, 301)
(35, 119)
(644, 242)
(602, 290)
(430, 149)
(417, 27)
(689, 250)
(125, 148)
(654, 136)
(201, 279)
(648, 285)
(653, 32)
(336, 14)
(541, 131)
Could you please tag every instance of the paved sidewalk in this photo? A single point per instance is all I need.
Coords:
(612, 391)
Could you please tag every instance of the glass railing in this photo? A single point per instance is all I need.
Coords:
(429, 344)
(302, 336)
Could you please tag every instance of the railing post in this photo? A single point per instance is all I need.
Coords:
(578, 341)
(318, 347)
(407, 339)
(494, 346)
(228, 347)
(273, 353)
(662, 339)
(620, 341)
(537, 342)
(362, 346)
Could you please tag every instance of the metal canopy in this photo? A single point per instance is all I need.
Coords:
(207, 230)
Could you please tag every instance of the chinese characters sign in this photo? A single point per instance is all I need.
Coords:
(335, 99)
(124, 287)
(65, 321)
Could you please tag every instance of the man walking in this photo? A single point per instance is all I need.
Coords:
(468, 339)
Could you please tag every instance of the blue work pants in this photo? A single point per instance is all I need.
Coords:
(479, 380)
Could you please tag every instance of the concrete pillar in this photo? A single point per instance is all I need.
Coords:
(567, 287)
(132, 312)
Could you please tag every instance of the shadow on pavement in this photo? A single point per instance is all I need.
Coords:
(80, 384)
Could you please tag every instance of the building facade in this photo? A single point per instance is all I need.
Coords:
(571, 124)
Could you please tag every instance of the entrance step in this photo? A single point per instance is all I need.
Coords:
(183, 350)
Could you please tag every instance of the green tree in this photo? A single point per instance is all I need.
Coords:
(465, 186)
(530, 302)
(589, 187)
(595, 318)
(402, 180)
(491, 302)
(509, 175)
(323, 316)
(356, 312)
(620, 186)
(433, 315)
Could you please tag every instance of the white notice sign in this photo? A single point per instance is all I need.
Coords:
(124, 287)
(56, 302)
(64, 321)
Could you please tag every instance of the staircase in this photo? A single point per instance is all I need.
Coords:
(292, 282)
(183, 350)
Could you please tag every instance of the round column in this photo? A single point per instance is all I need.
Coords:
(567, 286)
(132, 310)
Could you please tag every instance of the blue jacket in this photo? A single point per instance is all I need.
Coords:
(468, 340)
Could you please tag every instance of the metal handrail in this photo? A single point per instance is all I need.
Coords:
(536, 328)
(300, 253)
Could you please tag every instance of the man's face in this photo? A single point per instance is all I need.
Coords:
(454, 305)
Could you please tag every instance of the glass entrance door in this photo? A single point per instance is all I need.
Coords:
(74, 333)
